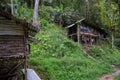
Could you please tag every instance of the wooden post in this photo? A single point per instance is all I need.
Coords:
(26, 52)
(26, 67)
(91, 43)
(78, 33)
(96, 42)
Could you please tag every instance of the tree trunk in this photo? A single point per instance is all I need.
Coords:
(112, 39)
(35, 12)
(119, 9)
(12, 10)
(87, 8)
(60, 19)
(78, 33)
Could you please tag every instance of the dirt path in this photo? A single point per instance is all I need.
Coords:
(112, 75)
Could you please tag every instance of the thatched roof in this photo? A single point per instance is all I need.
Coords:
(91, 24)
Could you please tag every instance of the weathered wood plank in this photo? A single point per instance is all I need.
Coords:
(11, 45)
(1, 17)
(33, 39)
(11, 29)
(3, 20)
(11, 33)
(8, 22)
(16, 26)
(75, 23)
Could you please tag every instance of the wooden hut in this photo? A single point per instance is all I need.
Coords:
(86, 32)
(14, 46)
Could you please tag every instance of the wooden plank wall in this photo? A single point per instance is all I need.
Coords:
(9, 27)
(11, 45)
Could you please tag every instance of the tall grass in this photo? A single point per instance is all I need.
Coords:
(117, 78)
(106, 54)
(58, 58)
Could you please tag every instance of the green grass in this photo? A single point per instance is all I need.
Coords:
(106, 54)
(117, 78)
(58, 58)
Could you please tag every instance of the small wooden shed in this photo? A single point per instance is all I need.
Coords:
(86, 32)
(14, 45)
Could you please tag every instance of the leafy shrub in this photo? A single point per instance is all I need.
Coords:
(117, 42)
(106, 53)
(70, 16)
(24, 12)
(47, 13)
(117, 78)
(51, 14)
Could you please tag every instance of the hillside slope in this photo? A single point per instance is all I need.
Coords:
(58, 58)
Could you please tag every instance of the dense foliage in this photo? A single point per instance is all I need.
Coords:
(63, 12)
(58, 58)
(106, 54)
(117, 78)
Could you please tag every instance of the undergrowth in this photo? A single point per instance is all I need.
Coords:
(106, 54)
(117, 78)
(58, 58)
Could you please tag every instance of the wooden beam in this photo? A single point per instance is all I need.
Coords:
(80, 20)
(14, 68)
(70, 25)
(25, 67)
(5, 21)
(2, 17)
(75, 23)
(33, 39)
